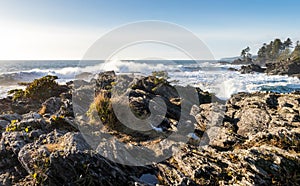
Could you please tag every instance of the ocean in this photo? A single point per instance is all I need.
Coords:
(207, 75)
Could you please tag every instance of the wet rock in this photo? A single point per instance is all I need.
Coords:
(242, 61)
(232, 69)
(251, 68)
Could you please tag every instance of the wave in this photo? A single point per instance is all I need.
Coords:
(225, 83)
(69, 73)
(211, 77)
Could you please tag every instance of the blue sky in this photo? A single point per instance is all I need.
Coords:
(64, 29)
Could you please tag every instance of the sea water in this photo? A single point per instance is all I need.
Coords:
(208, 75)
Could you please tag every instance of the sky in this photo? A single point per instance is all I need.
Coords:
(65, 29)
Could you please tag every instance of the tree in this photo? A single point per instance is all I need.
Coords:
(285, 55)
(269, 47)
(277, 49)
(296, 53)
(245, 53)
(287, 43)
(262, 53)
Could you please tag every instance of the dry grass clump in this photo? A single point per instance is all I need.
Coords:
(101, 108)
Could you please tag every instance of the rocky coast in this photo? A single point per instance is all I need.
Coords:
(256, 140)
(288, 67)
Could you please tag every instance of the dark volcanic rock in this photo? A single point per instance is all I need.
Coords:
(290, 68)
(241, 62)
(251, 68)
(232, 69)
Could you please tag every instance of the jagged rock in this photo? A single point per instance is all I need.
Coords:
(15, 140)
(252, 140)
(10, 117)
(51, 105)
(68, 159)
(251, 121)
(10, 168)
(67, 105)
(232, 69)
(290, 68)
(3, 124)
(242, 62)
(251, 68)
(5, 105)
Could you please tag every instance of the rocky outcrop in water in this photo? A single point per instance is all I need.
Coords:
(253, 139)
(251, 68)
(289, 67)
(242, 61)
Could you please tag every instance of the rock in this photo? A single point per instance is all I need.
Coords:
(3, 124)
(11, 170)
(51, 105)
(23, 107)
(246, 166)
(290, 68)
(10, 117)
(251, 121)
(32, 115)
(223, 62)
(253, 139)
(104, 80)
(241, 62)
(5, 105)
(32, 123)
(259, 111)
(251, 68)
(68, 159)
(14, 141)
(232, 69)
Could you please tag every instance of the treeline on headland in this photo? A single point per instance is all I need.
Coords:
(275, 51)
(278, 57)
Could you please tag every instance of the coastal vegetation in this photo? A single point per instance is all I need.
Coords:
(276, 58)
(272, 52)
(40, 89)
(277, 50)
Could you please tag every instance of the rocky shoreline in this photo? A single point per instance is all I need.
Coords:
(256, 141)
(289, 68)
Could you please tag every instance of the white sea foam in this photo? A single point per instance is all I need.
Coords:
(226, 83)
(212, 77)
